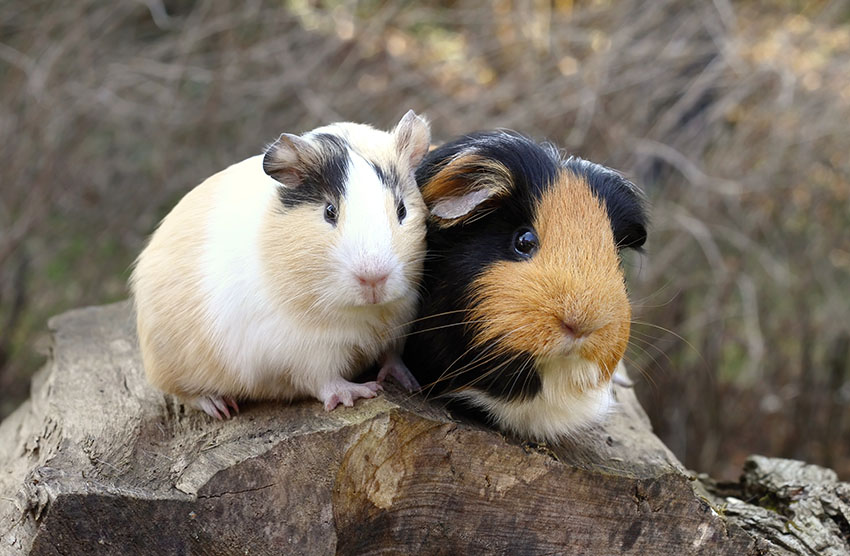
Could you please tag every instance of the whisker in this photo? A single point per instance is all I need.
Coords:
(489, 372)
(441, 327)
(436, 315)
(519, 373)
(447, 375)
(686, 342)
(488, 354)
(479, 378)
(639, 302)
(529, 360)
(646, 342)
(633, 363)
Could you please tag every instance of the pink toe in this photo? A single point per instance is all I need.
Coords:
(331, 402)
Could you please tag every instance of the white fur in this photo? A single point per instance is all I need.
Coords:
(366, 246)
(238, 307)
(260, 339)
(559, 409)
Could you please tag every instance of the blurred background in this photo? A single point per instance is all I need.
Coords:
(733, 118)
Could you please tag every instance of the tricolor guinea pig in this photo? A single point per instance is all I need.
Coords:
(286, 274)
(525, 317)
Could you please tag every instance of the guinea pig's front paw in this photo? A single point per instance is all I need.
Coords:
(393, 366)
(345, 392)
(216, 406)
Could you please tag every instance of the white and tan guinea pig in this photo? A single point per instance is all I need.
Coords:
(286, 274)
(525, 316)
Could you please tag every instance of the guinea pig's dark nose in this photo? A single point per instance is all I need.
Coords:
(573, 329)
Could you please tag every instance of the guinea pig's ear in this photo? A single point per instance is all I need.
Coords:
(286, 158)
(462, 185)
(623, 201)
(413, 137)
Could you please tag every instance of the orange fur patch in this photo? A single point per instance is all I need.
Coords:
(575, 276)
(173, 313)
(295, 249)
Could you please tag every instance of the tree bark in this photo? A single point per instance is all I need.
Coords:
(98, 462)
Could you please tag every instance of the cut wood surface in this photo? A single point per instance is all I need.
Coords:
(99, 462)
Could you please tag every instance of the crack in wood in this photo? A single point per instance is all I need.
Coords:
(234, 492)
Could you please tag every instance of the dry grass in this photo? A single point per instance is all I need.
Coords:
(734, 119)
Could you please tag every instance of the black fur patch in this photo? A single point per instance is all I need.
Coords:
(437, 350)
(622, 201)
(390, 178)
(389, 175)
(323, 179)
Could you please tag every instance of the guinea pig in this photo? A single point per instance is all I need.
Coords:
(286, 274)
(525, 316)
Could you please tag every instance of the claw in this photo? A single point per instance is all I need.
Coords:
(231, 402)
(215, 406)
(331, 402)
(219, 403)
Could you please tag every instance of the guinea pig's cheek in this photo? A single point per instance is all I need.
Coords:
(504, 311)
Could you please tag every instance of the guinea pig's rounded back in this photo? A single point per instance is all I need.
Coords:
(567, 297)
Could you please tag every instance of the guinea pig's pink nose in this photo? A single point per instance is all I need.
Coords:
(372, 280)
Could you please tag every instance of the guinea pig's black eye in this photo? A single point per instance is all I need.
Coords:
(401, 211)
(526, 242)
(330, 213)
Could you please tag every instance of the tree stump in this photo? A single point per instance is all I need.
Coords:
(99, 462)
